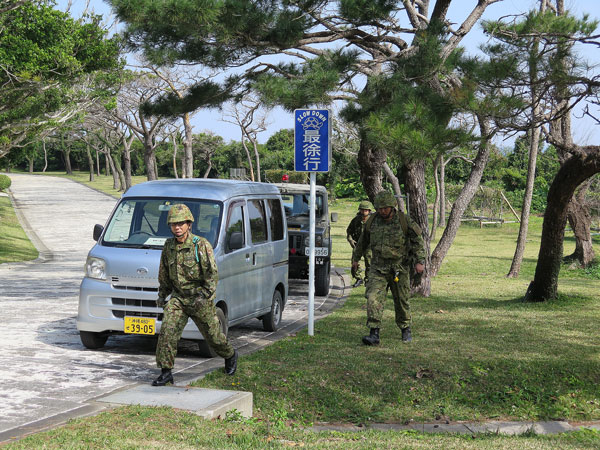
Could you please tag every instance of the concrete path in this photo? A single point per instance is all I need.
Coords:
(46, 375)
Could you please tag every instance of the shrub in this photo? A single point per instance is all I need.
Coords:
(4, 182)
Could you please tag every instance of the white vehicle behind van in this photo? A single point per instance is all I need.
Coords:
(244, 222)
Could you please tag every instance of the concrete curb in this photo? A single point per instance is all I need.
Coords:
(45, 254)
(492, 427)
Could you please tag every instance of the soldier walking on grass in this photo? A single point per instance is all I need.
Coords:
(397, 247)
(188, 272)
(353, 233)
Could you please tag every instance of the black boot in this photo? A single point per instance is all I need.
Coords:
(231, 363)
(406, 336)
(164, 378)
(372, 338)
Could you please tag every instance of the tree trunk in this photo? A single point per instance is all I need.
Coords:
(107, 163)
(248, 157)
(175, 148)
(580, 221)
(257, 159)
(45, 155)
(127, 161)
(113, 171)
(462, 202)
(90, 160)
(415, 189)
(30, 161)
(436, 204)
(188, 157)
(67, 158)
(571, 174)
(524, 226)
(442, 221)
(150, 161)
(393, 179)
(370, 161)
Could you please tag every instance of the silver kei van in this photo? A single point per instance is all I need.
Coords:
(244, 222)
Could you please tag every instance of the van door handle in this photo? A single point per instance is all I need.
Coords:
(253, 259)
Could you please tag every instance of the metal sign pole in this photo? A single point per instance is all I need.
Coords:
(312, 153)
(311, 256)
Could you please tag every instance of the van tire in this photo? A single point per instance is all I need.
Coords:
(93, 340)
(206, 350)
(272, 320)
(322, 280)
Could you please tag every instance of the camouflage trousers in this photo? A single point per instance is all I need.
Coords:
(176, 313)
(357, 274)
(376, 292)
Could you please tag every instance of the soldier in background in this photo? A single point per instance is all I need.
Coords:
(397, 247)
(188, 272)
(353, 233)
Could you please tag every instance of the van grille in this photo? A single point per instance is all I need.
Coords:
(120, 314)
(134, 303)
(134, 288)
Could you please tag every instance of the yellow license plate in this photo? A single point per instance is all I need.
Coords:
(140, 325)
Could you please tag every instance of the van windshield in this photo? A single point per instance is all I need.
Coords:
(297, 204)
(142, 222)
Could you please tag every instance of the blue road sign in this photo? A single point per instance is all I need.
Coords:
(312, 140)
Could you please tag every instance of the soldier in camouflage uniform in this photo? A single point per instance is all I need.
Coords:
(397, 247)
(353, 233)
(188, 273)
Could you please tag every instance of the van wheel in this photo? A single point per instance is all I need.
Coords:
(272, 320)
(206, 350)
(322, 281)
(93, 340)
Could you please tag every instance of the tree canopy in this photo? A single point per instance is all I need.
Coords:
(44, 56)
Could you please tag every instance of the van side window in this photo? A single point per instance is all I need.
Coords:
(235, 224)
(258, 221)
(276, 219)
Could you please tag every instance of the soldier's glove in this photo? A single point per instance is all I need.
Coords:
(160, 302)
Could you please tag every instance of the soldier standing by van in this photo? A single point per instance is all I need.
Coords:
(353, 233)
(397, 247)
(188, 272)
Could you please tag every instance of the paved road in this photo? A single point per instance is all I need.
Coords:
(44, 368)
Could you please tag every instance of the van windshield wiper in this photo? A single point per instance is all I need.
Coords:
(142, 246)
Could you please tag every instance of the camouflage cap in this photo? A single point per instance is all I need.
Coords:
(384, 199)
(179, 213)
(365, 205)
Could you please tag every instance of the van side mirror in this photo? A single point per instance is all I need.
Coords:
(98, 229)
(334, 217)
(236, 240)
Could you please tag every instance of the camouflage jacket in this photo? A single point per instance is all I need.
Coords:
(179, 272)
(355, 229)
(390, 245)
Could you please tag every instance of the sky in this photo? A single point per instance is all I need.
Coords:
(584, 130)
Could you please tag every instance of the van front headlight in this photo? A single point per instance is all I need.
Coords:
(318, 241)
(95, 268)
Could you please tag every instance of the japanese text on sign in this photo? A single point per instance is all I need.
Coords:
(312, 141)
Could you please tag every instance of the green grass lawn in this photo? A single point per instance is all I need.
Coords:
(14, 243)
(478, 353)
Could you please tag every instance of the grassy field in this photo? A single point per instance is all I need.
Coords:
(14, 243)
(478, 353)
